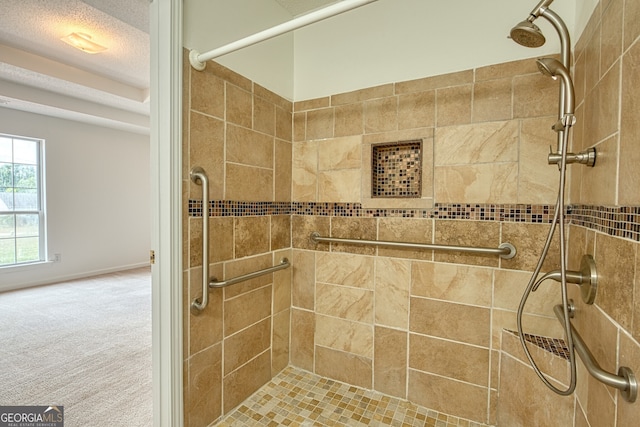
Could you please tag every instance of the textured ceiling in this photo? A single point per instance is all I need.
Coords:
(35, 63)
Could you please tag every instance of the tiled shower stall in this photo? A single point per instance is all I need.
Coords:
(428, 327)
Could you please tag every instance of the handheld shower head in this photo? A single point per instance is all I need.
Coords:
(554, 68)
(527, 34)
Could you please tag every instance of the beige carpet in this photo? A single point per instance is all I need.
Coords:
(83, 344)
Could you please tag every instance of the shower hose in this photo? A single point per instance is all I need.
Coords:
(533, 284)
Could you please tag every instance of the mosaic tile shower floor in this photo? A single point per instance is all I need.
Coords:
(299, 398)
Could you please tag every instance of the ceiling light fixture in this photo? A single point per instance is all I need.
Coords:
(83, 42)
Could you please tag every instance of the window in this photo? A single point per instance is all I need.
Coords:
(22, 222)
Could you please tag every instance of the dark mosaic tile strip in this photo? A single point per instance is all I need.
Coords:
(479, 212)
(620, 221)
(552, 345)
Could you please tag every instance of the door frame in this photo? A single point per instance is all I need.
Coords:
(166, 217)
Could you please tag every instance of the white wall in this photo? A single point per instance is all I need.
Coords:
(208, 24)
(386, 41)
(98, 198)
(398, 40)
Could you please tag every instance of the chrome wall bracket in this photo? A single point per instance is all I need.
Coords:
(587, 157)
(586, 278)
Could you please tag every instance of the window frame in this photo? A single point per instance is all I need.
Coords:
(41, 203)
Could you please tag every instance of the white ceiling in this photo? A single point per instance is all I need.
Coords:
(40, 73)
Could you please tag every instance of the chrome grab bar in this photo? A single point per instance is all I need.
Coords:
(214, 283)
(625, 381)
(505, 250)
(199, 176)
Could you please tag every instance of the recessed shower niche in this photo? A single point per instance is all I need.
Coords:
(398, 174)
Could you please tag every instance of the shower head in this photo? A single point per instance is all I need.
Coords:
(527, 34)
(553, 68)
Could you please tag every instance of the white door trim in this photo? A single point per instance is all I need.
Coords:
(166, 188)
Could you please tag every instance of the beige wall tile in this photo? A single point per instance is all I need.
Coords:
(345, 270)
(601, 409)
(492, 100)
(467, 233)
(599, 183)
(592, 59)
(339, 186)
(243, 266)
(304, 282)
(282, 282)
(381, 115)
(206, 149)
(506, 69)
(615, 259)
(417, 110)
(601, 108)
(529, 239)
(537, 180)
(305, 172)
(453, 105)
(248, 147)
(312, 104)
(390, 362)
(534, 95)
(252, 235)
(320, 123)
(246, 344)
(462, 362)
(456, 322)
(343, 302)
(443, 395)
(207, 93)
(264, 116)
(220, 248)
(344, 335)
(283, 170)
(349, 119)
(239, 106)
(410, 230)
(245, 381)
(481, 183)
(345, 367)
(248, 183)
(530, 405)
(302, 339)
(552, 366)
(611, 37)
(340, 153)
(629, 124)
(477, 143)
(631, 22)
(283, 124)
(299, 127)
(392, 287)
(237, 317)
(532, 324)
(303, 226)
(362, 95)
(280, 341)
(510, 285)
(353, 228)
(450, 282)
(228, 75)
(435, 82)
(205, 329)
(280, 232)
(204, 389)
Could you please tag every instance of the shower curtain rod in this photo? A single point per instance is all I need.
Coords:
(198, 60)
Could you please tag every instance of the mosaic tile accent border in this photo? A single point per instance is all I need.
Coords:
(299, 398)
(556, 346)
(479, 212)
(621, 221)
